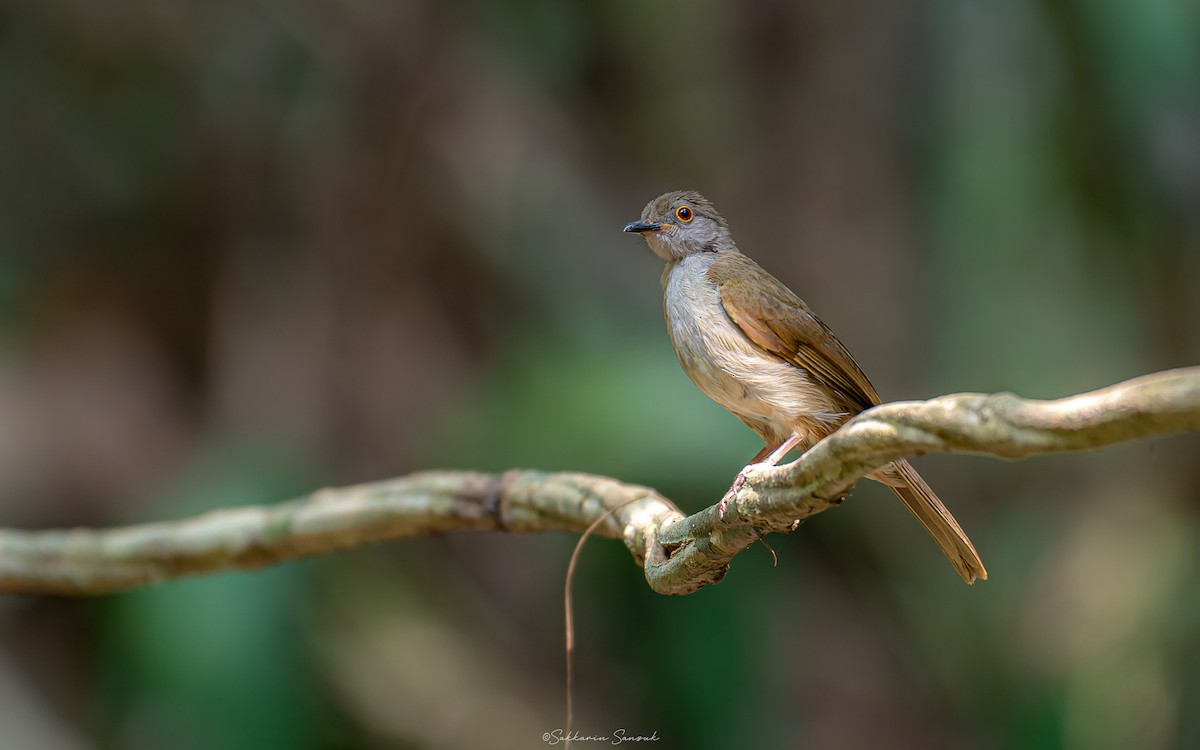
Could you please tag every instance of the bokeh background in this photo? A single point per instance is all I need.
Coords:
(252, 249)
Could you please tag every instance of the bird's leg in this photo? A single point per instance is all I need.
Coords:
(768, 456)
(784, 448)
(766, 451)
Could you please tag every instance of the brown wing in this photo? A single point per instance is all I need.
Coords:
(774, 318)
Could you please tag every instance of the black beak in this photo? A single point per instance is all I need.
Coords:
(642, 227)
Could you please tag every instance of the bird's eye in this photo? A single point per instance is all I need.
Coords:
(684, 214)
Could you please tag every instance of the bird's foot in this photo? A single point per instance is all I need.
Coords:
(721, 506)
(738, 481)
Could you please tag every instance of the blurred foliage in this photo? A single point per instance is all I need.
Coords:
(248, 250)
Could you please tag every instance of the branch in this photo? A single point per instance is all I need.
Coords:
(680, 554)
(87, 561)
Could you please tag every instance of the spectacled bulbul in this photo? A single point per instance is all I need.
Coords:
(755, 348)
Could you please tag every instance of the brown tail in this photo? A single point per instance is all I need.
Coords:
(911, 488)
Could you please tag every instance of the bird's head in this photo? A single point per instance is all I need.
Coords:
(681, 223)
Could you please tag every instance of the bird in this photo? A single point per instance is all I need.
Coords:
(753, 346)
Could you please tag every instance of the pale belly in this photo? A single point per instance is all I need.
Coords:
(773, 397)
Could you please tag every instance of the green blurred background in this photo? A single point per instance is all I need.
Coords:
(252, 249)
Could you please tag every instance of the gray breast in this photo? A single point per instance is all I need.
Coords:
(771, 396)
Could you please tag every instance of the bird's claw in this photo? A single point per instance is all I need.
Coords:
(738, 481)
(724, 503)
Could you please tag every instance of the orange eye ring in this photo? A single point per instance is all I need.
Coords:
(684, 214)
